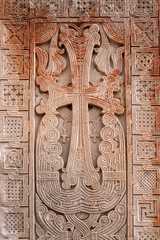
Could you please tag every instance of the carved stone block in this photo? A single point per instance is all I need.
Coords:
(79, 105)
(146, 120)
(14, 157)
(145, 61)
(145, 89)
(145, 8)
(84, 7)
(15, 223)
(14, 64)
(146, 180)
(110, 8)
(15, 189)
(14, 95)
(52, 8)
(12, 126)
(146, 210)
(145, 32)
(13, 7)
(146, 150)
(79, 120)
(14, 35)
(147, 233)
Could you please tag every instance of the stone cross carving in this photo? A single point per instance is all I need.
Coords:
(62, 168)
(94, 133)
(80, 190)
(64, 134)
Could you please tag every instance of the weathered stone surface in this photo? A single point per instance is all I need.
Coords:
(79, 120)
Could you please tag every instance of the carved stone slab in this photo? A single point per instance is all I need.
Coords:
(79, 120)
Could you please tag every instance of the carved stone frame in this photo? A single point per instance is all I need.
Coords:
(18, 117)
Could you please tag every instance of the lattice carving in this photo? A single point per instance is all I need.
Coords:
(145, 61)
(79, 83)
(14, 95)
(52, 8)
(15, 151)
(14, 35)
(110, 8)
(146, 120)
(16, 223)
(144, 33)
(147, 233)
(70, 101)
(148, 236)
(145, 89)
(13, 7)
(146, 150)
(12, 127)
(15, 190)
(145, 7)
(84, 7)
(145, 179)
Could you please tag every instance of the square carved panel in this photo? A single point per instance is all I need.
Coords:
(14, 126)
(145, 61)
(145, 32)
(14, 94)
(145, 89)
(146, 150)
(14, 64)
(14, 157)
(14, 35)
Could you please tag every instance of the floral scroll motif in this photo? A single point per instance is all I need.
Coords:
(79, 200)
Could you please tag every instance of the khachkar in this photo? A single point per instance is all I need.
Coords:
(85, 159)
(80, 200)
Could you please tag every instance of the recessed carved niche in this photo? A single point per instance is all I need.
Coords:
(80, 148)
